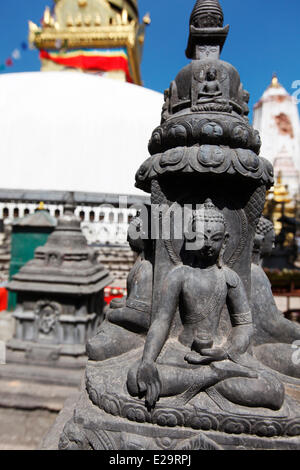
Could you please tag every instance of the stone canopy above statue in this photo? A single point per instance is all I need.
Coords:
(205, 106)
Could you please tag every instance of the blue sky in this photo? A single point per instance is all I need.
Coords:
(264, 38)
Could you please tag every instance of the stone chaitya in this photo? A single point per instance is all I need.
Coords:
(60, 294)
(194, 382)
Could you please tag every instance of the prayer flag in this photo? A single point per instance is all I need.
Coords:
(91, 59)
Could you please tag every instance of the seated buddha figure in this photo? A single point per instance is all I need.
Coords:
(274, 335)
(198, 358)
(127, 320)
(210, 90)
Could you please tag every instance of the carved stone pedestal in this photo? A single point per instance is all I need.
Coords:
(107, 418)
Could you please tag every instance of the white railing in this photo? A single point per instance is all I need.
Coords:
(100, 225)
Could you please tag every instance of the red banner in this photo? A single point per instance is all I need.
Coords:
(87, 62)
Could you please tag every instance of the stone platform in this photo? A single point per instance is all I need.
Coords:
(94, 429)
(32, 393)
(22, 429)
(107, 418)
(31, 396)
(26, 383)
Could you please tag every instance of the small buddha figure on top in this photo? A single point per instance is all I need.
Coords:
(209, 90)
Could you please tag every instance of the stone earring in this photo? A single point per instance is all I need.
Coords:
(220, 261)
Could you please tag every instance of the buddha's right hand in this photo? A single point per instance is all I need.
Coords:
(149, 382)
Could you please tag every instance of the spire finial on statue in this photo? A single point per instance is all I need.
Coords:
(207, 14)
(206, 27)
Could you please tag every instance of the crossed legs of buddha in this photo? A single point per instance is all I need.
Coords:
(121, 332)
(237, 383)
(129, 318)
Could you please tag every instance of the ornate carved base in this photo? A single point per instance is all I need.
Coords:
(207, 411)
(94, 429)
(106, 417)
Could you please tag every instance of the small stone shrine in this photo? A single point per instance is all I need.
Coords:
(60, 295)
(28, 233)
(194, 382)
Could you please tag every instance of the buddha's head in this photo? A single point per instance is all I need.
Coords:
(265, 231)
(135, 235)
(212, 74)
(209, 228)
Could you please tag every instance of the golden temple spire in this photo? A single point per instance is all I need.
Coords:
(275, 82)
(147, 19)
(279, 178)
(281, 193)
(84, 27)
(278, 203)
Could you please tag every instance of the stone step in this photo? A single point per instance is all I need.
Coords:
(30, 395)
(41, 374)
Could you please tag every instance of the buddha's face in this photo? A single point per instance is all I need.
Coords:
(137, 245)
(211, 75)
(210, 239)
(134, 237)
(268, 243)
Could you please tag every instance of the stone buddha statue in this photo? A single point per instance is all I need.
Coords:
(265, 229)
(195, 360)
(274, 334)
(127, 320)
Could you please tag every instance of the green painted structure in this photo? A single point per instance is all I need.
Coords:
(28, 233)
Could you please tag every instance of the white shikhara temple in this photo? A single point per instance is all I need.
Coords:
(276, 117)
(76, 132)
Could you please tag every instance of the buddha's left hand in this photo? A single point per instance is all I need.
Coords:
(207, 356)
(216, 354)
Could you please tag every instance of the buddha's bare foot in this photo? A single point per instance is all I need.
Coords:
(209, 376)
(228, 369)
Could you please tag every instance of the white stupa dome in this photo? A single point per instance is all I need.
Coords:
(74, 132)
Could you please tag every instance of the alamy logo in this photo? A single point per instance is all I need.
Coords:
(296, 87)
(296, 353)
(2, 352)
